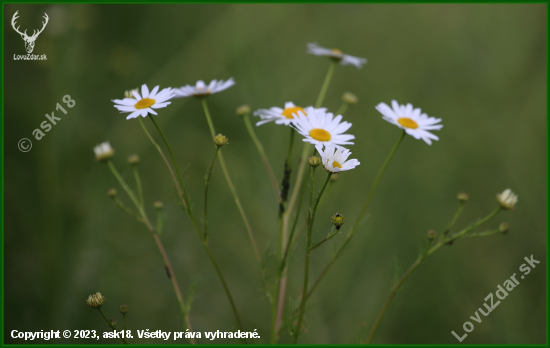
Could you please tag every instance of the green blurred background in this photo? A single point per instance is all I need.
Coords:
(481, 68)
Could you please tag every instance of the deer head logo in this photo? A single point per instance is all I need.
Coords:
(29, 40)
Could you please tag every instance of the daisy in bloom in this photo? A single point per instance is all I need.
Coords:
(202, 90)
(336, 54)
(142, 105)
(335, 158)
(413, 121)
(320, 127)
(280, 116)
(507, 199)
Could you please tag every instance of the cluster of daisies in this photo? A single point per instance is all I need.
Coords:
(316, 125)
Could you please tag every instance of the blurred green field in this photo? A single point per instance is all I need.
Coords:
(479, 67)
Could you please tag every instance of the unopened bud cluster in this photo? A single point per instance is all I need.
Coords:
(123, 309)
(349, 98)
(133, 159)
(462, 196)
(96, 300)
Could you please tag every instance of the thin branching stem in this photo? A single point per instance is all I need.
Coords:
(207, 181)
(421, 259)
(111, 325)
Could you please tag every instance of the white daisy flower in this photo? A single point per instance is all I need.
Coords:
(280, 116)
(320, 127)
(507, 199)
(142, 105)
(336, 54)
(413, 121)
(202, 90)
(335, 158)
(103, 151)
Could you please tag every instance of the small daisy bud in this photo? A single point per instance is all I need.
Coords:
(113, 322)
(334, 176)
(220, 140)
(432, 234)
(243, 110)
(103, 152)
(111, 193)
(129, 94)
(349, 98)
(462, 196)
(503, 228)
(95, 300)
(133, 160)
(123, 309)
(314, 161)
(507, 199)
(158, 205)
(338, 220)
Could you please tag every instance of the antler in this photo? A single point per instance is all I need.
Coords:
(43, 25)
(13, 19)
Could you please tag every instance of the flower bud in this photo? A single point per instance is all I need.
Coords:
(349, 98)
(123, 309)
(112, 322)
(220, 140)
(462, 196)
(95, 300)
(133, 159)
(129, 94)
(314, 161)
(158, 205)
(503, 228)
(111, 193)
(507, 199)
(243, 110)
(338, 220)
(334, 176)
(104, 152)
(432, 234)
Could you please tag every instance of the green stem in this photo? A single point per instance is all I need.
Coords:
(124, 321)
(167, 262)
(329, 237)
(261, 151)
(421, 259)
(232, 188)
(342, 109)
(311, 219)
(138, 184)
(453, 221)
(361, 214)
(207, 179)
(111, 324)
(175, 164)
(324, 89)
(127, 210)
(189, 211)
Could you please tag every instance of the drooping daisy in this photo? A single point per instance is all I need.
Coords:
(335, 158)
(202, 90)
(103, 151)
(413, 121)
(280, 116)
(335, 54)
(320, 127)
(142, 105)
(507, 199)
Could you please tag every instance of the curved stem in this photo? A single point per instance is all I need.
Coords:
(261, 151)
(111, 324)
(169, 150)
(361, 214)
(138, 184)
(231, 187)
(207, 179)
(421, 259)
(342, 109)
(311, 219)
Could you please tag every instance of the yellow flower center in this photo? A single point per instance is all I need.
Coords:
(319, 134)
(293, 110)
(407, 122)
(336, 165)
(337, 51)
(144, 103)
